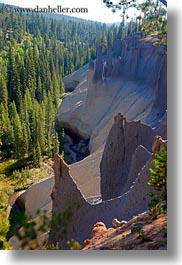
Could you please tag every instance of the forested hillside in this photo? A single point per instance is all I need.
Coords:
(35, 54)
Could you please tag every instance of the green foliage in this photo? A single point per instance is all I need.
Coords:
(158, 180)
(74, 245)
(152, 19)
(5, 192)
(4, 228)
(21, 174)
(35, 53)
(140, 232)
(14, 178)
(24, 178)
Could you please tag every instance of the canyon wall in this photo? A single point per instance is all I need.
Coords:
(121, 146)
(119, 106)
(131, 80)
(84, 215)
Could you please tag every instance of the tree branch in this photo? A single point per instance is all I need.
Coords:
(164, 2)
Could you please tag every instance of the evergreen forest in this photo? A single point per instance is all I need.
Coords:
(35, 54)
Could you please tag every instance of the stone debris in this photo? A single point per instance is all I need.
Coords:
(116, 223)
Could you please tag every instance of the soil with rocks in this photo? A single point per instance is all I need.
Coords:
(139, 233)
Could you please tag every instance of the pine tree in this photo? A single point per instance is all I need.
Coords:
(14, 90)
(158, 180)
(56, 91)
(38, 127)
(18, 132)
(56, 144)
(25, 143)
(6, 132)
(61, 85)
(49, 146)
(3, 92)
(38, 153)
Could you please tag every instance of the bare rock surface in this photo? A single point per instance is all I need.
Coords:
(139, 158)
(86, 174)
(37, 197)
(73, 79)
(134, 84)
(84, 215)
(109, 62)
(98, 73)
(123, 140)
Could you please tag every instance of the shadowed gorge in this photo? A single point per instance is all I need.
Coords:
(75, 148)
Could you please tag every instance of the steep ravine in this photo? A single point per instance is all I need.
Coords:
(131, 80)
(118, 115)
(75, 148)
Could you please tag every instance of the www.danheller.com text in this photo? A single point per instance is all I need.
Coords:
(49, 9)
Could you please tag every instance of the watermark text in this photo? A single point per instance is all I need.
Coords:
(56, 10)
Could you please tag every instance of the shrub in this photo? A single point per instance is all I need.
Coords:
(4, 228)
(158, 180)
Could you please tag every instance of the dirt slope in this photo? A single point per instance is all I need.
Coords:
(139, 233)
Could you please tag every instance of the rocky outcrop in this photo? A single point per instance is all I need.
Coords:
(123, 140)
(84, 215)
(139, 159)
(139, 233)
(86, 174)
(75, 78)
(132, 80)
(158, 144)
(98, 73)
(90, 74)
(162, 130)
(37, 197)
(89, 83)
(109, 63)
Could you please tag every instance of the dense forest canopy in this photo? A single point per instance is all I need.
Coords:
(35, 54)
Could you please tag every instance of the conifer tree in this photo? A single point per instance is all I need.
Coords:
(18, 132)
(158, 180)
(56, 144)
(6, 132)
(38, 127)
(38, 153)
(49, 146)
(14, 90)
(3, 92)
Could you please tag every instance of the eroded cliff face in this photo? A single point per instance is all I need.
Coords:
(132, 80)
(85, 215)
(120, 106)
(120, 152)
(124, 174)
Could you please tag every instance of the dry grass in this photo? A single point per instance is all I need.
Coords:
(14, 178)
